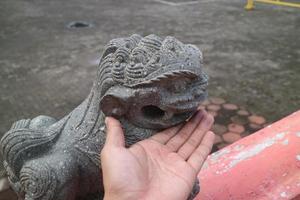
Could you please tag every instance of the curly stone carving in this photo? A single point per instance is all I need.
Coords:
(41, 185)
(148, 83)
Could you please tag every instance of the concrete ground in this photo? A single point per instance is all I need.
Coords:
(253, 58)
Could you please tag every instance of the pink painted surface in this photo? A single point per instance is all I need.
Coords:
(262, 166)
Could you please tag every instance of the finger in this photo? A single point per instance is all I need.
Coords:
(175, 142)
(198, 157)
(195, 139)
(114, 133)
(164, 136)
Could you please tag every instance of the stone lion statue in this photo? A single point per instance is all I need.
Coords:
(148, 83)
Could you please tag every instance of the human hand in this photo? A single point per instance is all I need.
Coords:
(164, 166)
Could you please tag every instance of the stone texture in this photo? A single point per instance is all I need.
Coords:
(43, 156)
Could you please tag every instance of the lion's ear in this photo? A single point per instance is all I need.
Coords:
(116, 102)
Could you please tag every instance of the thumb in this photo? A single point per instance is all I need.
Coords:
(114, 133)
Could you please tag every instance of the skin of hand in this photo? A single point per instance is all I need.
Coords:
(164, 166)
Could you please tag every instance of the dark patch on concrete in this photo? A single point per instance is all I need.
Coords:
(79, 24)
(176, 2)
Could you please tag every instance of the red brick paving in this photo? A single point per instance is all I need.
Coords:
(231, 137)
(229, 106)
(236, 128)
(255, 119)
(239, 120)
(232, 122)
(255, 127)
(205, 103)
(217, 101)
(219, 129)
(243, 112)
(213, 107)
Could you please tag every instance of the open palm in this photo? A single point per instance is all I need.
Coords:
(164, 166)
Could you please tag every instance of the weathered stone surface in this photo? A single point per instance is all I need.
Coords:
(147, 83)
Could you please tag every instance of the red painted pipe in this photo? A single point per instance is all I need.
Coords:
(262, 166)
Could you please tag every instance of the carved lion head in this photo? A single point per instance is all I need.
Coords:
(154, 83)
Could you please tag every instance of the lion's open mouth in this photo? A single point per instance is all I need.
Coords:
(173, 113)
(155, 113)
